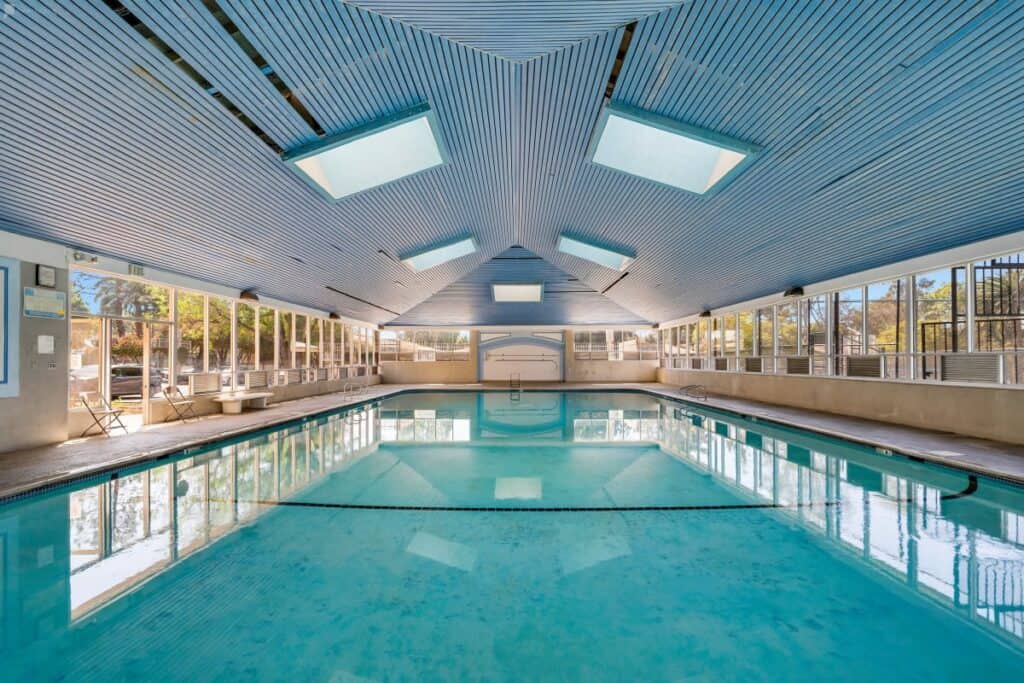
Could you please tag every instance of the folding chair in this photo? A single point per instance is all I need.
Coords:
(183, 407)
(106, 417)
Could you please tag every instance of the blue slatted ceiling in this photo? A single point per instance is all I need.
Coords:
(194, 33)
(516, 29)
(889, 131)
(469, 300)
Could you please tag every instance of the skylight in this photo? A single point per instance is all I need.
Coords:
(517, 292)
(442, 253)
(372, 155)
(668, 152)
(603, 256)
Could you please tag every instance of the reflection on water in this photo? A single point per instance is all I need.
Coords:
(69, 554)
(124, 530)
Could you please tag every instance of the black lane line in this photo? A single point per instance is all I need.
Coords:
(480, 508)
(972, 486)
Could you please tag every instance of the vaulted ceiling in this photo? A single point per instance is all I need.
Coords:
(889, 130)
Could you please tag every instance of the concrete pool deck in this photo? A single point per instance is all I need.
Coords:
(37, 468)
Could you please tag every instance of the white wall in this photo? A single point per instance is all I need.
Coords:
(525, 359)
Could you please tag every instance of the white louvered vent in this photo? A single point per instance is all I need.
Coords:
(864, 366)
(975, 367)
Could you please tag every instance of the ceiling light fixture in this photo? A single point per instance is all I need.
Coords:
(616, 259)
(438, 254)
(665, 151)
(372, 155)
(517, 292)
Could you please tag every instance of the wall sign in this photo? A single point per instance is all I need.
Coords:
(46, 276)
(45, 303)
(10, 315)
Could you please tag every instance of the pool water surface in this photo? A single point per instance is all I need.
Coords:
(511, 536)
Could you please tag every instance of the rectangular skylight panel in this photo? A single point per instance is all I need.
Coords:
(609, 258)
(440, 254)
(665, 151)
(371, 156)
(518, 292)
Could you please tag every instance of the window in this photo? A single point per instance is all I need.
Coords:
(887, 316)
(419, 345)
(190, 335)
(813, 325)
(648, 341)
(729, 334)
(941, 311)
(849, 321)
(245, 341)
(746, 333)
(315, 328)
(338, 353)
(114, 297)
(85, 360)
(219, 350)
(285, 340)
(786, 326)
(301, 341)
(765, 332)
(267, 336)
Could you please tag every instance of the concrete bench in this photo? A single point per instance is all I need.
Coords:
(231, 403)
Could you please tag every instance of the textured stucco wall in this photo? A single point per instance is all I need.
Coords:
(986, 412)
(38, 415)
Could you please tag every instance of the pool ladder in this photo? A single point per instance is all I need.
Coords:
(515, 385)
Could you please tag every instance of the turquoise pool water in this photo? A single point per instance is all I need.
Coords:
(542, 536)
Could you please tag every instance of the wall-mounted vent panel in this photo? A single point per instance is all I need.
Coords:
(721, 364)
(696, 363)
(798, 365)
(753, 364)
(976, 367)
(864, 366)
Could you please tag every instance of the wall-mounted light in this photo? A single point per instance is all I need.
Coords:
(88, 258)
(794, 291)
(704, 314)
(249, 295)
(334, 316)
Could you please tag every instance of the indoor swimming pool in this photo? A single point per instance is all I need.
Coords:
(518, 536)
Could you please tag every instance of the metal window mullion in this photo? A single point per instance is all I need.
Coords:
(972, 341)
(233, 310)
(864, 320)
(206, 333)
(256, 337)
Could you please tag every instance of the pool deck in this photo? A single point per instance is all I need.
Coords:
(32, 469)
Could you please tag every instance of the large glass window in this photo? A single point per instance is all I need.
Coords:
(814, 325)
(285, 340)
(765, 332)
(849, 321)
(190, 335)
(746, 333)
(941, 311)
(787, 328)
(266, 359)
(728, 334)
(301, 341)
(115, 297)
(245, 342)
(887, 317)
(218, 353)
(86, 354)
(315, 328)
